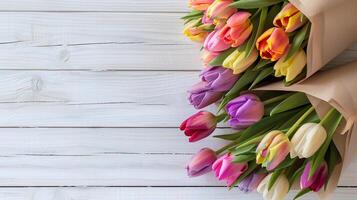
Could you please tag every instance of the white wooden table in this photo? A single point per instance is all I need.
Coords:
(91, 95)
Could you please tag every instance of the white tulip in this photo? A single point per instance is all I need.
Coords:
(307, 140)
(279, 190)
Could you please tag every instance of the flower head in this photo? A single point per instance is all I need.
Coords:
(316, 182)
(239, 62)
(201, 162)
(220, 10)
(289, 18)
(292, 67)
(195, 32)
(225, 169)
(273, 44)
(273, 149)
(214, 44)
(251, 182)
(199, 125)
(279, 190)
(200, 4)
(244, 111)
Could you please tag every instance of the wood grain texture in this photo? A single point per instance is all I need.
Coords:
(146, 193)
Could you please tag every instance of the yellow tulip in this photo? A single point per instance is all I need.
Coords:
(194, 32)
(292, 67)
(289, 18)
(238, 62)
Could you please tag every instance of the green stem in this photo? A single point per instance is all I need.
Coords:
(221, 117)
(276, 99)
(299, 121)
(223, 149)
(252, 141)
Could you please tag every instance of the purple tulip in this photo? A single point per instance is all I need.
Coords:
(215, 81)
(316, 182)
(244, 111)
(251, 182)
(201, 163)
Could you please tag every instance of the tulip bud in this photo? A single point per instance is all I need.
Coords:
(237, 29)
(307, 140)
(207, 57)
(292, 67)
(220, 9)
(201, 163)
(244, 111)
(214, 44)
(225, 169)
(273, 44)
(200, 4)
(215, 82)
(316, 182)
(273, 149)
(251, 182)
(194, 32)
(239, 62)
(199, 125)
(279, 190)
(289, 18)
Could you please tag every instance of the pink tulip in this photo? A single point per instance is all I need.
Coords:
(200, 4)
(220, 10)
(201, 162)
(273, 44)
(199, 126)
(316, 182)
(214, 44)
(225, 169)
(289, 18)
(237, 30)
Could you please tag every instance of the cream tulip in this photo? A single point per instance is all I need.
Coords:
(239, 62)
(307, 140)
(279, 190)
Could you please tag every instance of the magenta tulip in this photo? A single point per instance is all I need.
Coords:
(316, 182)
(214, 44)
(201, 162)
(225, 169)
(199, 125)
(244, 111)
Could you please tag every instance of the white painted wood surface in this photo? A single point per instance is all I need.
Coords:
(91, 95)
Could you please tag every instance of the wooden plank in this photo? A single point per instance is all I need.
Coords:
(105, 157)
(77, 41)
(172, 193)
(95, 5)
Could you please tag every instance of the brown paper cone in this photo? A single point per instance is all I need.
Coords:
(334, 29)
(337, 88)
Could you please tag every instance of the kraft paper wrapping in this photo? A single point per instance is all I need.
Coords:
(334, 28)
(336, 87)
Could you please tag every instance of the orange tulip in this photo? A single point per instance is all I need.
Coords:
(273, 43)
(200, 4)
(289, 18)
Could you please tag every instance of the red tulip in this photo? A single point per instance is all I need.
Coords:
(199, 126)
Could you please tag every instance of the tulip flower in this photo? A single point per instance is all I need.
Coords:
(273, 44)
(307, 140)
(201, 162)
(251, 182)
(215, 81)
(292, 67)
(237, 29)
(279, 190)
(201, 5)
(207, 57)
(239, 62)
(289, 18)
(195, 33)
(220, 10)
(273, 149)
(225, 169)
(244, 111)
(199, 125)
(316, 182)
(214, 44)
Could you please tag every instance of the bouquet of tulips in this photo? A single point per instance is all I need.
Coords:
(303, 133)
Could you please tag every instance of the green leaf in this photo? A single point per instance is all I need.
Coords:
(286, 163)
(244, 149)
(333, 158)
(261, 64)
(302, 193)
(330, 122)
(229, 137)
(244, 158)
(218, 61)
(296, 175)
(251, 167)
(258, 28)
(273, 11)
(294, 101)
(291, 121)
(298, 40)
(262, 75)
(246, 79)
(250, 4)
(275, 175)
(193, 14)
